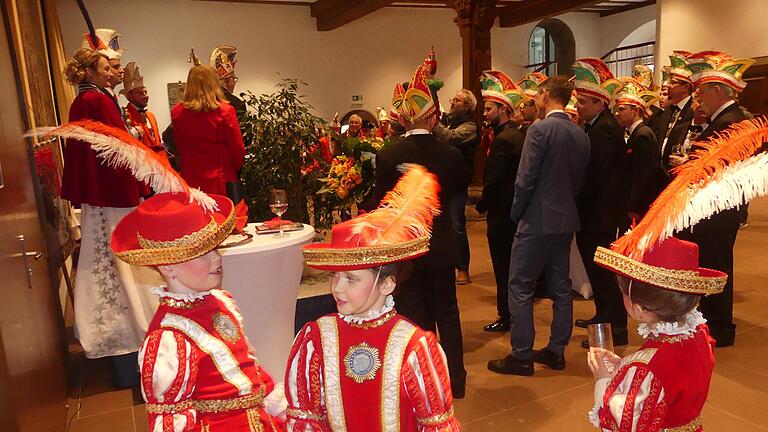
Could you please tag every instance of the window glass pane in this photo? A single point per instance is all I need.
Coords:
(536, 48)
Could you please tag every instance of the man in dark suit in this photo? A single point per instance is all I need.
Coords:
(672, 127)
(717, 235)
(552, 166)
(499, 189)
(428, 297)
(602, 204)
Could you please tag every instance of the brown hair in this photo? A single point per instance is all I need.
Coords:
(670, 306)
(401, 271)
(83, 59)
(203, 90)
(559, 88)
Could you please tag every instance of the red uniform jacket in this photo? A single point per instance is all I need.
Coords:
(88, 179)
(209, 146)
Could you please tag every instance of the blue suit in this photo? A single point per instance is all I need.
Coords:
(552, 167)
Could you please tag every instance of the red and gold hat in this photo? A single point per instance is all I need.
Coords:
(672, 265)
(594, 79)
(416, 99)
(634, 93)
(223, 60)
(718, 67)
(107, 43)
(171, 228)
(399, 230)
(531, 82)
(570, 108)
(498, 87)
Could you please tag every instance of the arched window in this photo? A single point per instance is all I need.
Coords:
(551, 48)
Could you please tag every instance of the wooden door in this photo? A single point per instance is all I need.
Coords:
(32, 379)
(755, 95)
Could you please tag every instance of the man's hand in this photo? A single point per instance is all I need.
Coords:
(675, 161)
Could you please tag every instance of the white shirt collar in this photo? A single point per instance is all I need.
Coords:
(554, 111)
(161, 291)
(389, 304)
(722, 107)
(633, 127)
(683, 102)
(417, 132)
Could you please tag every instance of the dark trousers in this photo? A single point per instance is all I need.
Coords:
(456, 208)
(501, 233)
(609, 304)
(531, 256)
(716, 237)
(428, 298)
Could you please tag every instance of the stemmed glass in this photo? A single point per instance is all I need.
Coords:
(278, 203)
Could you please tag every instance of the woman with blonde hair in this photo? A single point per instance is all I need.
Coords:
(206, 131)
(112, 309)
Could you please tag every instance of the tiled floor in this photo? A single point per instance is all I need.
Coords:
(550, 400)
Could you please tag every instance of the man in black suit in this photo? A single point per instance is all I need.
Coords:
(602, 207)
(428, 297)
(552, 166)
(499, 192)
(647, 177)
(717, 235)
(672, 127)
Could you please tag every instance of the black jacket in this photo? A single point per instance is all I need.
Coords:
(500, 173)
(604, 195)
(648, 177)
(444, 161)
(236, 103)
(678, 132)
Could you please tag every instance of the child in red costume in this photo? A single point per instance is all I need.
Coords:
(368, 368)
(198, 372)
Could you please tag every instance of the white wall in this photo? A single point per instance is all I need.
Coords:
(366, 57)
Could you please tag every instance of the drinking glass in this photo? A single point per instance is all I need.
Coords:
(600, 336)
(278, 203)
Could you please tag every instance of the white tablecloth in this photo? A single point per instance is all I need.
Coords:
(264, 276)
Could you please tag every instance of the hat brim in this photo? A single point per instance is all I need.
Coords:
(125, 239)
(326, 256)
(703, 281)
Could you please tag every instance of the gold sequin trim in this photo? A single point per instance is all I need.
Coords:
(436, 420)
(693, 426)
(189, 239)
(180, 304)
(253, 400)
(378, 322)
(183, 251)
(369, 255)
(254, 421)
(169, 408)
(304, 415)
(685, 281)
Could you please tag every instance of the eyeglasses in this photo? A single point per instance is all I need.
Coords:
(234, 78)
(456, 101)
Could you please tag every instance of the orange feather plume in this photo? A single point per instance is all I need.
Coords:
(723, 174)
(405, 213)
(118, 148)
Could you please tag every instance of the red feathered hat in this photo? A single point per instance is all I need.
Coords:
(399, 230)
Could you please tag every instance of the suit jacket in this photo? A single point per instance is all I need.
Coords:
(447, 163)
(677, 134)
(648, 177)
(732, 114)
(654, 120)
(461, 132)
(552, 166)
(236, 102)
(500, 173)
(603, 197)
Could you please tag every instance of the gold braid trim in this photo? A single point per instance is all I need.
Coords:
(368, 255)
(182, 249)
(253, 400)
(304, 415)
(169, 408)
(693, 426)
(436, 420)
(684, 281)
(375, 323)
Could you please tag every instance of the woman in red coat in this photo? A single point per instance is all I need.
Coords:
(209, 144)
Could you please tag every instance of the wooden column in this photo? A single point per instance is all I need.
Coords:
(475, 19)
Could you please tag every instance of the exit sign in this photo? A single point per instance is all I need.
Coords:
(357, 99)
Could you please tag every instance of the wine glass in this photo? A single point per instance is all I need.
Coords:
(278, 203)
(601, 337)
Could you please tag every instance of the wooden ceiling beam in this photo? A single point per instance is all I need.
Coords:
(628, 7)
(535, 10)
(332, 14)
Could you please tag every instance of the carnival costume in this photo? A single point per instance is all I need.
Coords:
(664, 385)
(140, 121)
(380, 372)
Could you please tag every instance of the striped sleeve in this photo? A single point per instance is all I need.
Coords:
(428, 387)
(633, 401)
(303, 384)
(168, 364)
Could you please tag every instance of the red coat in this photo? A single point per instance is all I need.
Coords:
(87, 179)
(209, 146)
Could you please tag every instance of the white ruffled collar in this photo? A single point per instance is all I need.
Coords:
(187, 297)
(372, 314)
(693, 319)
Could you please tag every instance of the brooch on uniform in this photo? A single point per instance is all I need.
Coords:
(362, 362)
(226, 327)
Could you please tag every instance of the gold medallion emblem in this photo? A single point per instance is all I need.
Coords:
(226, 327)
(362, 362)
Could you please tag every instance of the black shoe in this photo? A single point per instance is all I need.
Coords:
(511, 366)
(458, 392)
(620, 338)
(723, 338)
(497, 326)
(583, 323)
(549, 358)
